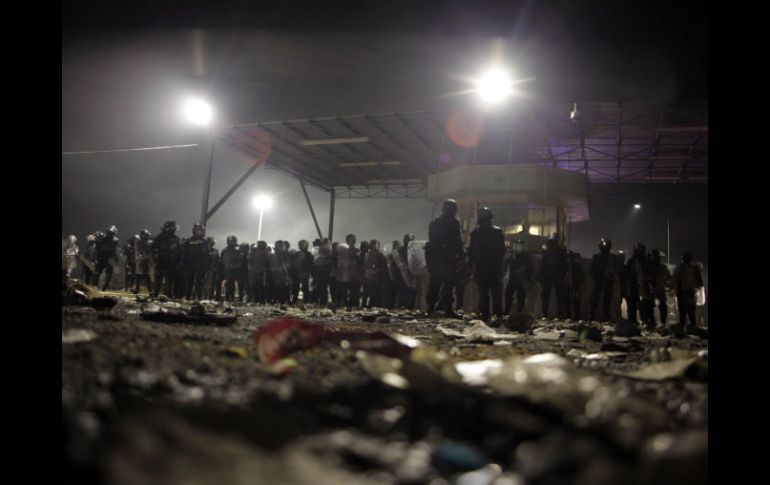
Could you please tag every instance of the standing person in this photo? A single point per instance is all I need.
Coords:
(279, 273)
(259, 270)
(333, 287)
(376, 277)
(243, 272)
(313, 283)
(347, 272)
(604, 266)
(88, 260)
(212, 276)
(322, 269)
(553, 271)
(230, 261)
(485, 257)
(687, 281)
(394, 277)
(661, 284)
(69, 259)
(636, 284)
(285, 257)
(521, 273)
(363, 257)
(444, 249)
(107, 249)
(130, 262)
(462, 277)
(166, 255)
(196, 259)
(575, 279)
(301, 268)
(142, 257)
(407, 291)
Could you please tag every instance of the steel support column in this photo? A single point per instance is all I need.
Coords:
(331, 215)
(310, 206)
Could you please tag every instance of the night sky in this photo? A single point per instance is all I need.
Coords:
(122, 89)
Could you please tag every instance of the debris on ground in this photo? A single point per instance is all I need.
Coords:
(315, 396)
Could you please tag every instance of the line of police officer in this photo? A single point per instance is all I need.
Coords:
(643, 279)
(193, 268)
(364, 276)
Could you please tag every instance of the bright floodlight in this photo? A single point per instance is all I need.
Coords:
(494, 86)
(262, 202)
(198, 111)
(637, 206)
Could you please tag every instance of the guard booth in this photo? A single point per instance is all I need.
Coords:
(532, 203)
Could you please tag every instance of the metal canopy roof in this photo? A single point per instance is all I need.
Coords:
(391, 154)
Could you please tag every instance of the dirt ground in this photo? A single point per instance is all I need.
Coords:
(188, 403)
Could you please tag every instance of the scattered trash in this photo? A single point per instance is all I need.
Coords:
(77, 335)
(547, 335)
(613, 347)
(477, 331)
(283, 366)
(383, 319)
(279, 338)
(693, 367)
(236, 352)
(180, 316)
(369, 317)
(627, 328)
(458, 457)
(488, 475)
(519, 322)
(589, 332)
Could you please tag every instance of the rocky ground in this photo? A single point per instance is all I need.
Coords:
(543, 402)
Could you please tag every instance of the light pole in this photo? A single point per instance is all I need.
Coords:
(199, 112)
(261, 203)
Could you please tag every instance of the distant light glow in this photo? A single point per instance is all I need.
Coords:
(262, 202)
(494, 86)
(198, 111)
(637, 206)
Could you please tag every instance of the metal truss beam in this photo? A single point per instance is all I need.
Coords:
(404, 191)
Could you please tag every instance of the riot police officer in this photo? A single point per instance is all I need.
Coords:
(639, 285)
(259, 273)
(407, 293)
(142, 258)
(212, 277)
(300, 269)
(553, 271)
(376, 276)
(604, 266)
(444, 248)
(687, 281)
(485, 256)
(661, 283)
(521, 271)
(88, 258)
(231, 266)
(196, 259)
(322, 272)
(348, 283)
(106, 256)
(130, 262)
(166, 255)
